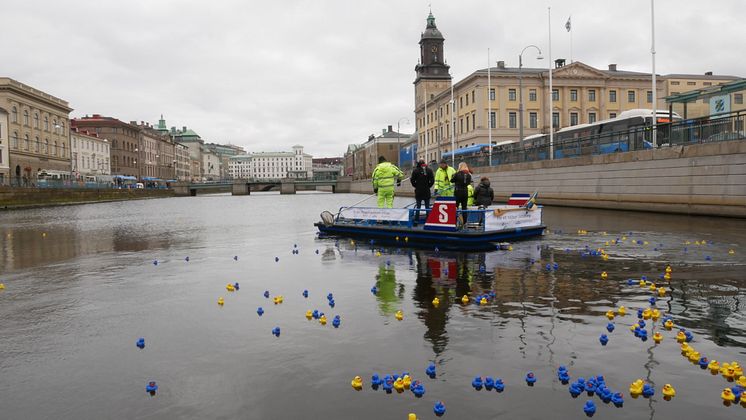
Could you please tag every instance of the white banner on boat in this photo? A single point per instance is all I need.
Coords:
(513, 219)
(373, 213)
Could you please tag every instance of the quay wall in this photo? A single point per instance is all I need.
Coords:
(701, 179)
(11, 198)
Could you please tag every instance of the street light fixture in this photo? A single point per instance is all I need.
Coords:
(520, 89)
(398, 140)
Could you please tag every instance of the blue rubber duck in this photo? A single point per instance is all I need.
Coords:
(260, 311)
(639, 313)
(590, 387)
(330, 297)
(630, 282)
(555, 266)
(430, 370)
(418, 390)
(140, 343)
(186, 259)
(530, 379)
(604, 393)
(155, 262)
(331, 303)
(336, 321)
(374, 290)
(266, 294)
(276, 331)
(617, 399)
(610, 327)
(499, 385)
(388, 385)
(652, 300)
(305, 293)
(648, 390)
(603, 339)
(489, 383)
(236, 286)
(439, 409)
(575, 389)
(589, 408)
(477, 383)
(689, 336)
(277, 259)
(641, 323)
(235, 258)
(564, 377)
(317, 252)
(316, 314)
(703, 362)
(151, 387)
(643, 335)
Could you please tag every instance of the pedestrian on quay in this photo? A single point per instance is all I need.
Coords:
(443, 175)
(422, 180)
(483, 194)
(385, 176)
(461, 181)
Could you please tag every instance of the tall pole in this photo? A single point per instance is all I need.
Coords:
(520, 99)
(655, 93)
(398, 145)
(453, 128)
(424, 120)
(551, 93)
(489, 105)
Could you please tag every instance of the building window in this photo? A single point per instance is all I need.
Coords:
(555, 95)
(591, 95)
(25, 142)
(675, 83)
(36, 145)
(707, 83)
(461, 125)
(691, 83)
(738, 98)
(473, 121)
(472, 97)
(467, 99)
(533, 120)
(492, 94)
(612, 96)
(45, 149)
(46, 123)
(467, 123)
(14, 140)
(573, 118)
(573, 95)
(25, 118)
(14, 115)
(631, 96)
(493, 120)
(591, 117)
(555, 119)
(612, 114)
(62, 149)
(511, 94)
(36, 120)
(650, 96)
(512, 120)
(461, 102)
(532, 95)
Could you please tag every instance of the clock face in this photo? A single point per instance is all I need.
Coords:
(434, 49)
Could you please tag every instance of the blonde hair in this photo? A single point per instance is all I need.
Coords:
(462, 166)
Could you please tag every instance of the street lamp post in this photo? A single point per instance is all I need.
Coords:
(398, 140)
(520, 89)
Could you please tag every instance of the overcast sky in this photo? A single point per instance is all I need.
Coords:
(326, 73)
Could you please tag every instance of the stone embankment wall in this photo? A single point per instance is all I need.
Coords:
(704, 179)
(39, 197)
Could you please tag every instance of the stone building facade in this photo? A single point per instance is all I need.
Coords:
(123, 138)
(91, 155)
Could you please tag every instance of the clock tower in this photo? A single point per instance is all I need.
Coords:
(433, 76)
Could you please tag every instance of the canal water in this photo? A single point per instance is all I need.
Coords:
(83, 283)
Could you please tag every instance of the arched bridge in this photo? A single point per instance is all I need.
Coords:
(245, 187)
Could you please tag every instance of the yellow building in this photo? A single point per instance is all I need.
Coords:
(682, 83)
(38, 135)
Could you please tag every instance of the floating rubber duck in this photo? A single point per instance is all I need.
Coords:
(737, 368)
(668, 269)
(530, 379)
(276, 331)
(590, 386)
(406, 380)
(728, 372)
(576, 389)
(483, 301)
(305, 293)
(375, 381)
(186, 259)
(727, 395)
(388, 384)
(322, 320)
(617, 399)
(399, 385)
(374, 290)
(436, 302)
(489, 383)
(610, 314)
(336, 321)
(667, 276)
(439, 408)
(703, 362)
(477, 383)
(604, 275)
(309, 314)
(648, 390)
(277, 300)
(399, 315)
(652, 287)
(636, 387)
(357, 383)
(610, 327)
(151, 387)
(661, 291)
(499, 385)
(668, 391)
(589, 408)
(689, 336)
(731, 252)
(668, 324)
(155, 262)
(411, 416)
(647, 314)
(417, 389)
(465, 300)
(221, 301)
(694, 356)
(655, 315)
(643, 283)
(229, 287)
(260, 311)
(603, 339)
(652, 301)
(2, 286)
(657, 337)
(140, 343)
(315, 314)
(266, 294)
(741, 381)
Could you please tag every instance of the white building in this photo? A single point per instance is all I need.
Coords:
(273, 165)
(4, 158)
(210, 165)
(182, 162)
(90, 154)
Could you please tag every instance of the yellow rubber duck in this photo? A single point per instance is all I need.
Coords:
(642, 283)
(668, 325)
(647, 314)
(727, 395)
(352, 243)
(696, 242)
(731, 252)
(605, 257)
(483, 301)
(741, 381)
(667, 276)
(309, 314)
(407, 380)
(668, 391)
(633, 327)
(668, 269)
(661, 291)
(636, 387)
(681, 337)
(728, 372)
(653, 287)
(657, 337)
(604, 275)
(714, 366)
(686, 349)
(694, 356)
(322, 320)
(406, 239)
(436, 302)
(646, 243)
(399, 315)
(412, 416)
(622, 311)
(276, 300)
(229, 287)
(610, 314)
(737, 368)
(399, 385)
(357, 383)
(2, 286)
(606, 243)
(465, 300)
(656, 314)
(378, 253)
(624, 238)
(221, 301)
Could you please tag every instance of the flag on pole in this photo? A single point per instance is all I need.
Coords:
(568, 26)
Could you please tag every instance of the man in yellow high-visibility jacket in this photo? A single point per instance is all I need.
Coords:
(443, 175)
(384, 177)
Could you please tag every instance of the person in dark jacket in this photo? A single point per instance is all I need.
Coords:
(483, 194)
(461, 181)
(422, 180)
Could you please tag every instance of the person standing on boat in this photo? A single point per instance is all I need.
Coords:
(483, 194)
(422, 180)
(443, 175)
(384, 177)
(461, 181)
(470, 196)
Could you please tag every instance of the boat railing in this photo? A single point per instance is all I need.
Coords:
(475, 219)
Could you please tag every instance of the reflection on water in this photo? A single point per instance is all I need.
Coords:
(82, 286)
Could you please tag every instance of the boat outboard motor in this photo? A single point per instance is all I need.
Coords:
(327, 218)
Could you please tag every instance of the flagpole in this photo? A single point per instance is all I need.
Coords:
(453, 128)
(570, 31)
(655, 90)
(489, 104)
(425, 122)
(551, 92)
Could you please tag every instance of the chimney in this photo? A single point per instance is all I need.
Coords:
(560, 62)
(133, 122)
(708, 73)
(612, 67)
(501, 64)
(184, 128)
(391, 128)
(383, 131)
